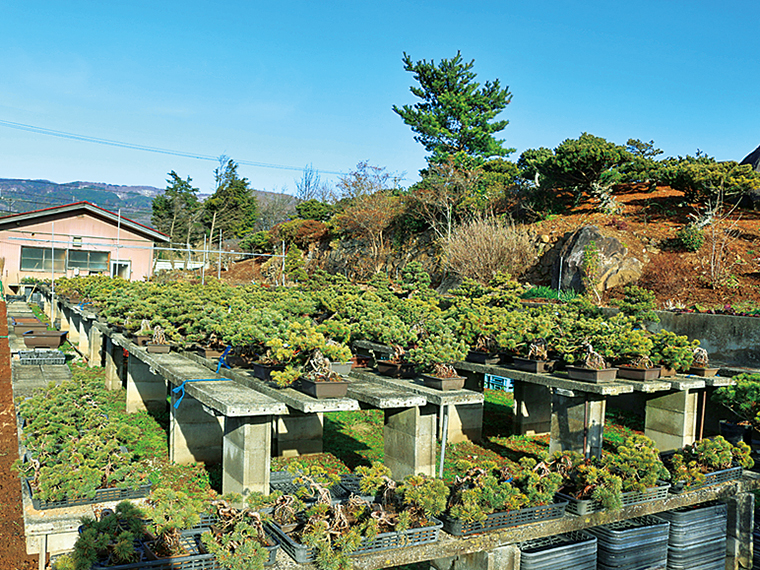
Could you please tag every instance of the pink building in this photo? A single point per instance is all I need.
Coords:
(75, 239)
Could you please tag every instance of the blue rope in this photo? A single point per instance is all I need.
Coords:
(223, 359)
(83, 303)
(181, 388)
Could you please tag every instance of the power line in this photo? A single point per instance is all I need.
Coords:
(132, 146)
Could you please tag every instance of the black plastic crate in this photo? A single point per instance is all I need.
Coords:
(582, 507)
(495, 521)
(576, 550)
(101, 496)
(302, 554)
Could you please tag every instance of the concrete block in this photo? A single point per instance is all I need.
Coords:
(533, 408)
(410, 442)
(665, 441)
(145, 390)
(741, 522)
(114, 365)
(568, 429)
(84, 337)
(95, 355)
(503, 558)
(246, 454)
(194, 435)
(299, 434)
(465, 422)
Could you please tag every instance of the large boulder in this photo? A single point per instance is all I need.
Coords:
(616, 267)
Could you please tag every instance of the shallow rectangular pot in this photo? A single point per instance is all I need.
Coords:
(342, 368)
(530, 365)
(700, 371)
(157, 348)
(44, 339)
(395, 369)
(590, 375)
(322, 390)
(633, 373)
(456, 383)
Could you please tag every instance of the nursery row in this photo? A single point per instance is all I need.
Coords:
(381, 514)
(294, 328)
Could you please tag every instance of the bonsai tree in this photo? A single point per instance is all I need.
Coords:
(145, 328)
(638, 303)
(112, 539)
(480, 490)
(742, 398)
(237, 538)
(437, 354)
(672, 351)
(171, 513)
(158, 335)
(689, 465)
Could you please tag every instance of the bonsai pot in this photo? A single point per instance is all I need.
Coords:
(666, 372)
(505, 357)
(21, 328)
(530, 365)
(395, 369)
(360, 361)
(207, 352)
(342, 368)
(322, 390)
(263, 371)
(143, 339)
(455, 383)
(734, 432)
(633, 373)
(482, 357)
(701, 371)
(44, 339)
(591, 375)
(157, 348)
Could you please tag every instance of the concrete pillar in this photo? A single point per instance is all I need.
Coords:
(145, 390)
(533, 409)
(671, 420)
(194, 434)
(95, 354)
(503, 558)
(741, 523)
(247, 450)
(410, 440)
(473, 380)
(65, 315)
(84, 336)
(299, 434)
(575, 418)
(114, 364)
(73, 335)
(465, 422)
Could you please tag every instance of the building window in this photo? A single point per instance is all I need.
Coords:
(92, 261)
(40, 259)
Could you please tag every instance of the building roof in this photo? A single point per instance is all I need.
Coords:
(15, 220)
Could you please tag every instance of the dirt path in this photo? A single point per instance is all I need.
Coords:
(12, 543)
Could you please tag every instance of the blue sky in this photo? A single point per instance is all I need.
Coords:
(296, 83)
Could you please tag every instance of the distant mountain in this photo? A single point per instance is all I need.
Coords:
(135, 202)
(25, 195)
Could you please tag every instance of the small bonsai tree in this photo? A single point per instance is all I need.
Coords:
(672, 351)
(638, 303)
(145, 328)
(171, 513)
(437, 354)
(742, 398)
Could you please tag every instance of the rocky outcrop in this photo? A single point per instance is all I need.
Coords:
(615, 266)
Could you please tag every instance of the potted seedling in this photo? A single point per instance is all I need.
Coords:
(592, 367)
(159, 344)
(435, 357)
(706, 462)
(701, 363)
(237, 538)
(485, 498)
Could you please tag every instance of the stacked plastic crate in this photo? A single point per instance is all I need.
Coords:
(576, 550)
(44, 357)
(697, 537)
(632, 544)
(756, 541)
